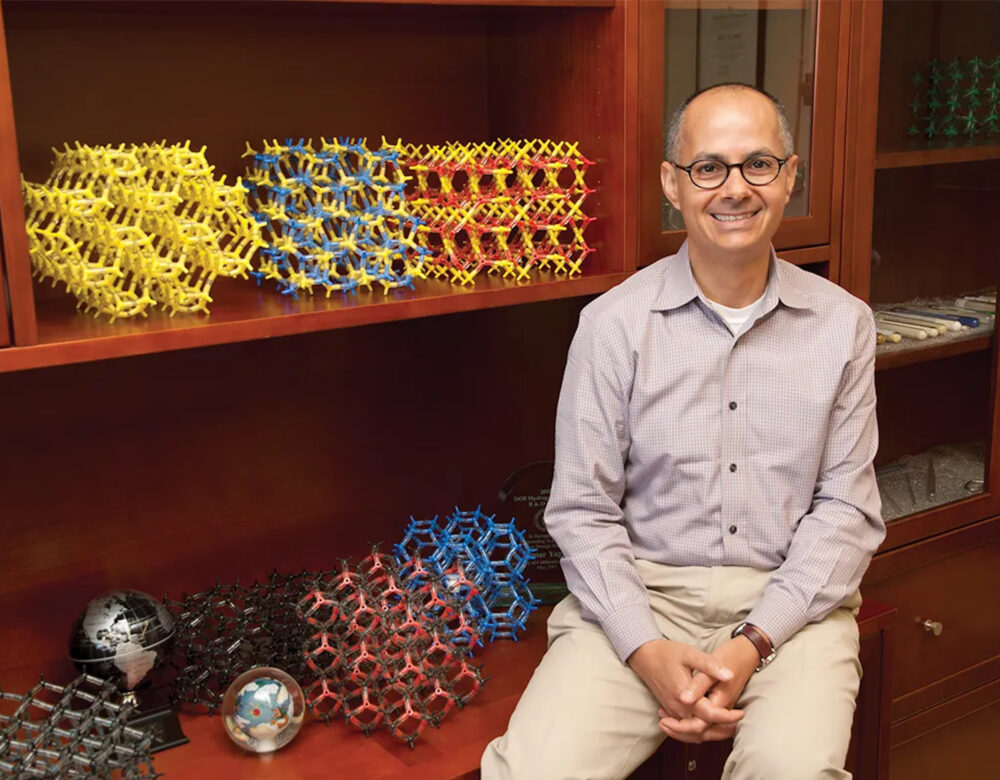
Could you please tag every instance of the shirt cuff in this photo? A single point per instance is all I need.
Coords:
(777, 616)
(630, 627)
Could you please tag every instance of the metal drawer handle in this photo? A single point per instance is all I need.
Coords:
(933, 627)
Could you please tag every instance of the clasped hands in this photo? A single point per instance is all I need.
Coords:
(696, 690)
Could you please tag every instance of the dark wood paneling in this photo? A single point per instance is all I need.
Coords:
(929, 239)
(167, 472)
(114, 72)
(962, 681)
(950, 397)
(959, 740)
(560, 74)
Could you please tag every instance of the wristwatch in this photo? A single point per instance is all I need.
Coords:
(764, 647)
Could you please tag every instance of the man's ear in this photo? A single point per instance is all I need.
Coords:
(668, 180)
(792, 166)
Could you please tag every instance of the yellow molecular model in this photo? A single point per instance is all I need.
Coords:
(509, 207)
(128, 227)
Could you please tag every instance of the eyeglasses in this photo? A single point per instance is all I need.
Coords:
(712, 174)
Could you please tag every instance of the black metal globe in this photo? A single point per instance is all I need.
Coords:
(121, 637)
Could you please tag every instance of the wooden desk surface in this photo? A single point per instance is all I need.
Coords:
(340, 751)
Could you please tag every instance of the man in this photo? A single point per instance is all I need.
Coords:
(714, 496)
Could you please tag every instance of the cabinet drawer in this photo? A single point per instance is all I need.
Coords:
(956, 591)
(961, 747)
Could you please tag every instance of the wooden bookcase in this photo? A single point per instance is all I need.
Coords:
(912, 229)
(278, 435)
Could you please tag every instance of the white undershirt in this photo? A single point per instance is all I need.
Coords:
(734, 318)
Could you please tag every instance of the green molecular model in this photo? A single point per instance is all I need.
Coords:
(957, 97)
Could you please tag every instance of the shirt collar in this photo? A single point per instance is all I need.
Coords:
(679, 286)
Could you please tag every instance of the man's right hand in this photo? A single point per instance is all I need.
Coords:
(666, 668)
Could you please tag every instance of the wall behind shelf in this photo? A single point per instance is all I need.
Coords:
(914, 33)
(166, 472)
(932, 231)
(950, 398)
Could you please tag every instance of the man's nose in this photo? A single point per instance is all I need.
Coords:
(735, 186)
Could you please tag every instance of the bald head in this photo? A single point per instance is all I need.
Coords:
(719, 91)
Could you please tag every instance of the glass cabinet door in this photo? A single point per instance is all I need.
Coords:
(788, 48)
(934, 262)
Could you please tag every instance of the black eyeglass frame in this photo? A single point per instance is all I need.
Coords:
(729, 168)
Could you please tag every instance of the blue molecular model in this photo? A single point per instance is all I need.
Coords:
(335, 217)
(490, 555)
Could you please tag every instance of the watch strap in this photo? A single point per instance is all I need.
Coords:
(764, 648)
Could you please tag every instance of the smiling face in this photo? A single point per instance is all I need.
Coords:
(738, 219)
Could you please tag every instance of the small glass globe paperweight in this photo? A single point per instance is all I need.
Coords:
(263, 709)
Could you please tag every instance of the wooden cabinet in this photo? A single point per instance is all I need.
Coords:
(794, 51)
(915, 241)
(954, 740)
(946, 643)
(918, 171)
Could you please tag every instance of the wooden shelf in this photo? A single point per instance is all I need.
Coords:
(453, 751)
(942, 155)
(241, 311)
(935, 350)
(516, 3)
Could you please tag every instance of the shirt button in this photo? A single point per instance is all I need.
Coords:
(732, 529)
(732, 404)
(732, 467)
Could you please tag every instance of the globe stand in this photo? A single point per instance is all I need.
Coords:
(157, 720)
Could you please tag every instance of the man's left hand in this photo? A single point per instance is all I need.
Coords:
(737, 654)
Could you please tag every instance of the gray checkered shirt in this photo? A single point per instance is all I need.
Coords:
(681, 443)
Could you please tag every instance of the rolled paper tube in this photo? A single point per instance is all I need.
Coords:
(968, 322)
(965, 309)
(968, 303)
(899, 325)
(900, 317)
(932, 330)
(905, 330)
(890, 335)
(966, 313)
(924, 320)
(990, 298)
(939, 322)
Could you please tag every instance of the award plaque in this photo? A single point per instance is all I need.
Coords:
(523, 496)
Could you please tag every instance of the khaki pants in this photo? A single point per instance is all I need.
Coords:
(586, 715)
